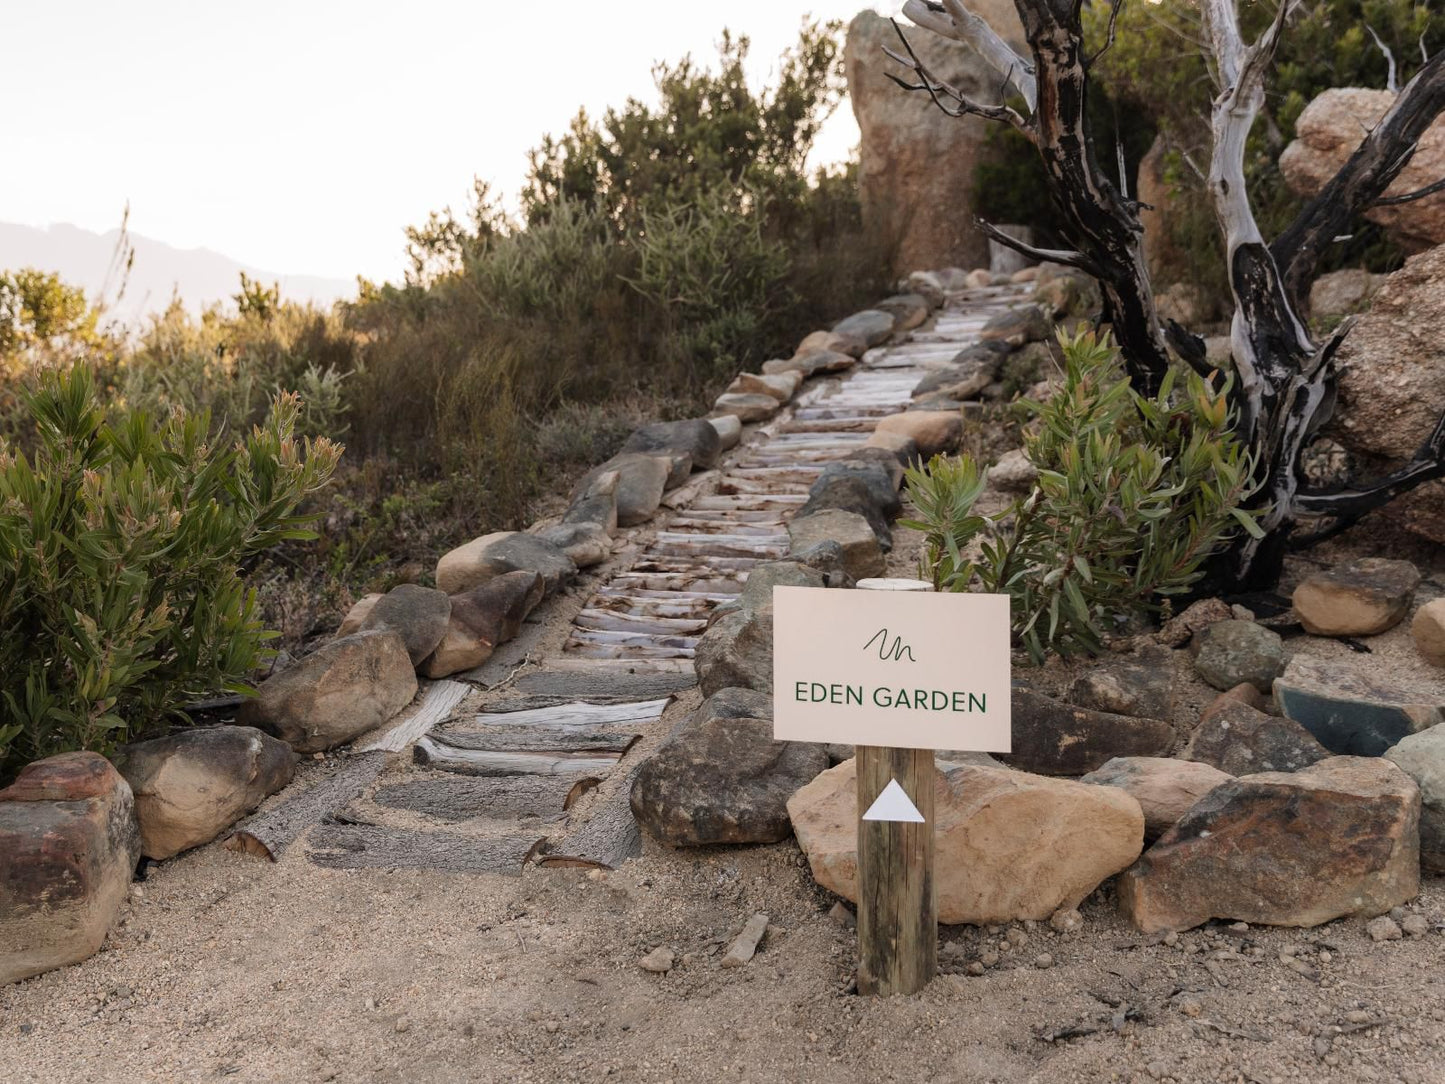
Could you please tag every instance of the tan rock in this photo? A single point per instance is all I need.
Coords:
(492, 555)
(1361, 598)
(752, 407)
(1428, 629)
(934, 431)
(1009, 846)
(1341, 837)
(904, 447)
(483, 618)
(68, 848)
(191, 786)
(1329, 131)
(1196, 617)
(729, 430)
(357, 614)
(1340, 293)
(1027, 274)
(862, 555)
(417, 614)
(830, 342)
(979, 278)
(1165, 788)
(340, 690)
(781, 386)
(903, 137)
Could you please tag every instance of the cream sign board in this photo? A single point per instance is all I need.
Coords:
(912, 670)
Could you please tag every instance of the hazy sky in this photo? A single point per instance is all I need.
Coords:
(301, 136)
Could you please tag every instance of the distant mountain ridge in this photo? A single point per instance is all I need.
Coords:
(198, 275)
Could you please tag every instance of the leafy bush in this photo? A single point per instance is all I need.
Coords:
(121, 544)
(1132, 495)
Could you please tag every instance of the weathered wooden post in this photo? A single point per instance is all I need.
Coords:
(919, 671)
(897, 903)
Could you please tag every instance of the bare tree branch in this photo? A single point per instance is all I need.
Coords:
(1409, 197)
(1115, 7)
(1043, 255)
(1392, 80)
(952, 20)
(1363, 179)
(938, 90)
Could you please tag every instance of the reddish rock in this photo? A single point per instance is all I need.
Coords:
(68, 847)
(1054, 738)
(1341, 837)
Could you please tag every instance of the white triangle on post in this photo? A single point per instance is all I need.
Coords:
(893, 805)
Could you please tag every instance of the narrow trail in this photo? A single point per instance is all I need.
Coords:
(491, 788)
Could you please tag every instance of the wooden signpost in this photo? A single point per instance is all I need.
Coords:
(923, 672)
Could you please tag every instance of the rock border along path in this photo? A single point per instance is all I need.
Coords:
(491, 788)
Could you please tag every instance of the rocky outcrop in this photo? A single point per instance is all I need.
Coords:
(1392, 383)
(191, 786)
(722, 779)
(1284, 849)
(906, 196)
(339, 691)
(68, 847)
(1328, 132)
(1009, 846)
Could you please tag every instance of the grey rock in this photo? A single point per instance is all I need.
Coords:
(641, 481)
(873, 326)
(737, 650)
(1237, 739)
(1025, 324)
(191, 786)
(757, 591)
(827, 559)
(1353, 713)
(882, 473)
(1013, 473)
(849, 493)
(722, 780)
(963, 381)
(729, 430)
(811, 363)
(596, 501)
(694, 438)
(1422, 757)
(417, 614)
(585, 543)
(862, 554)
(496, 554)
(1054, 738)
(483, 618)
(735, 703)
(339, 691)
(747, 407)
(1228, 653)
(907, 310)
(1141, 685)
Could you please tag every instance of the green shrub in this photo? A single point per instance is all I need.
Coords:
(1132, 495)
(121, 543)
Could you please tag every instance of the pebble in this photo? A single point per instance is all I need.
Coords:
(843, 916)
(1018, 938)
(1171, 938)
(1357, 1016)
(989, 959)
(975, 968)
(1043, 961)
(1416, 925)
(1190, 1006)
(659, 960)
(1066, 920)
(1383, 928)
(403, 1025)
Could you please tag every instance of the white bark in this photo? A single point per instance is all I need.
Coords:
(960, 24)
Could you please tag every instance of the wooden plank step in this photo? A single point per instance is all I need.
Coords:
(461, 798)
(436, 704)
(615, 621)
(435, 754)
(598, 667)
(570, 684)
(580, 713)
(606, 839)
(748, 502)
(579, 649)
(269, 832)
(358, 846)
(530, 738)
(701, 565)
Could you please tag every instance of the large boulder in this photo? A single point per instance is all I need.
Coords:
(1165, 788)
(1392, 383)
(585, 543)
(1341, 837)
(1240, 740)
(933, 431)
(1329, 131)
(417, 614)
(1422, 757)
(862, 552)
(191, 786)
(642, 479)
(694, 438)
(907, 310)
(904, 137)
(496, 554)
(483, 618)
(1229, 653)
(1053, 738)
(68, 847)
(722, 779)
(339, 691)
(1359, 598)
(871, 326)
(737, 650)
(1008, 846)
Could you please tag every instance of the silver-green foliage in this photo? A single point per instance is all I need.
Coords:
(121, 547)
(1133, 494)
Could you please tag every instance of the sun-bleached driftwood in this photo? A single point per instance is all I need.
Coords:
(461, 798)
(451, 758)
(435, 705)
(613, 686)
(617, 621)
(604, 666)
(271, 831)
(606, 839)
(364, 846)
(578, 713)
(567, 740)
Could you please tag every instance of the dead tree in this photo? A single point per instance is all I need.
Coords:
(1284, 378)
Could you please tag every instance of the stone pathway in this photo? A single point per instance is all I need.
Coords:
(491, 788)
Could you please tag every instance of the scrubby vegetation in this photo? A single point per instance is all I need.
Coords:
(1133, 494)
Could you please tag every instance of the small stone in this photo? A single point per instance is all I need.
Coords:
(1043, 961)
(1362, 598)
(1428, 629)
(1171, 938)
(1239, 927)
(1230, 652)
(1190, 1006)
(745, 944)
(1066, 920)
(1017, 938)
(843, 915)
(403, 1025)
(659, 961)
(1197, 617)
(975, 968)
(1357, 1016)
(1415, 925)
(989, 959)
(1383, 928)
(1157, 1070)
